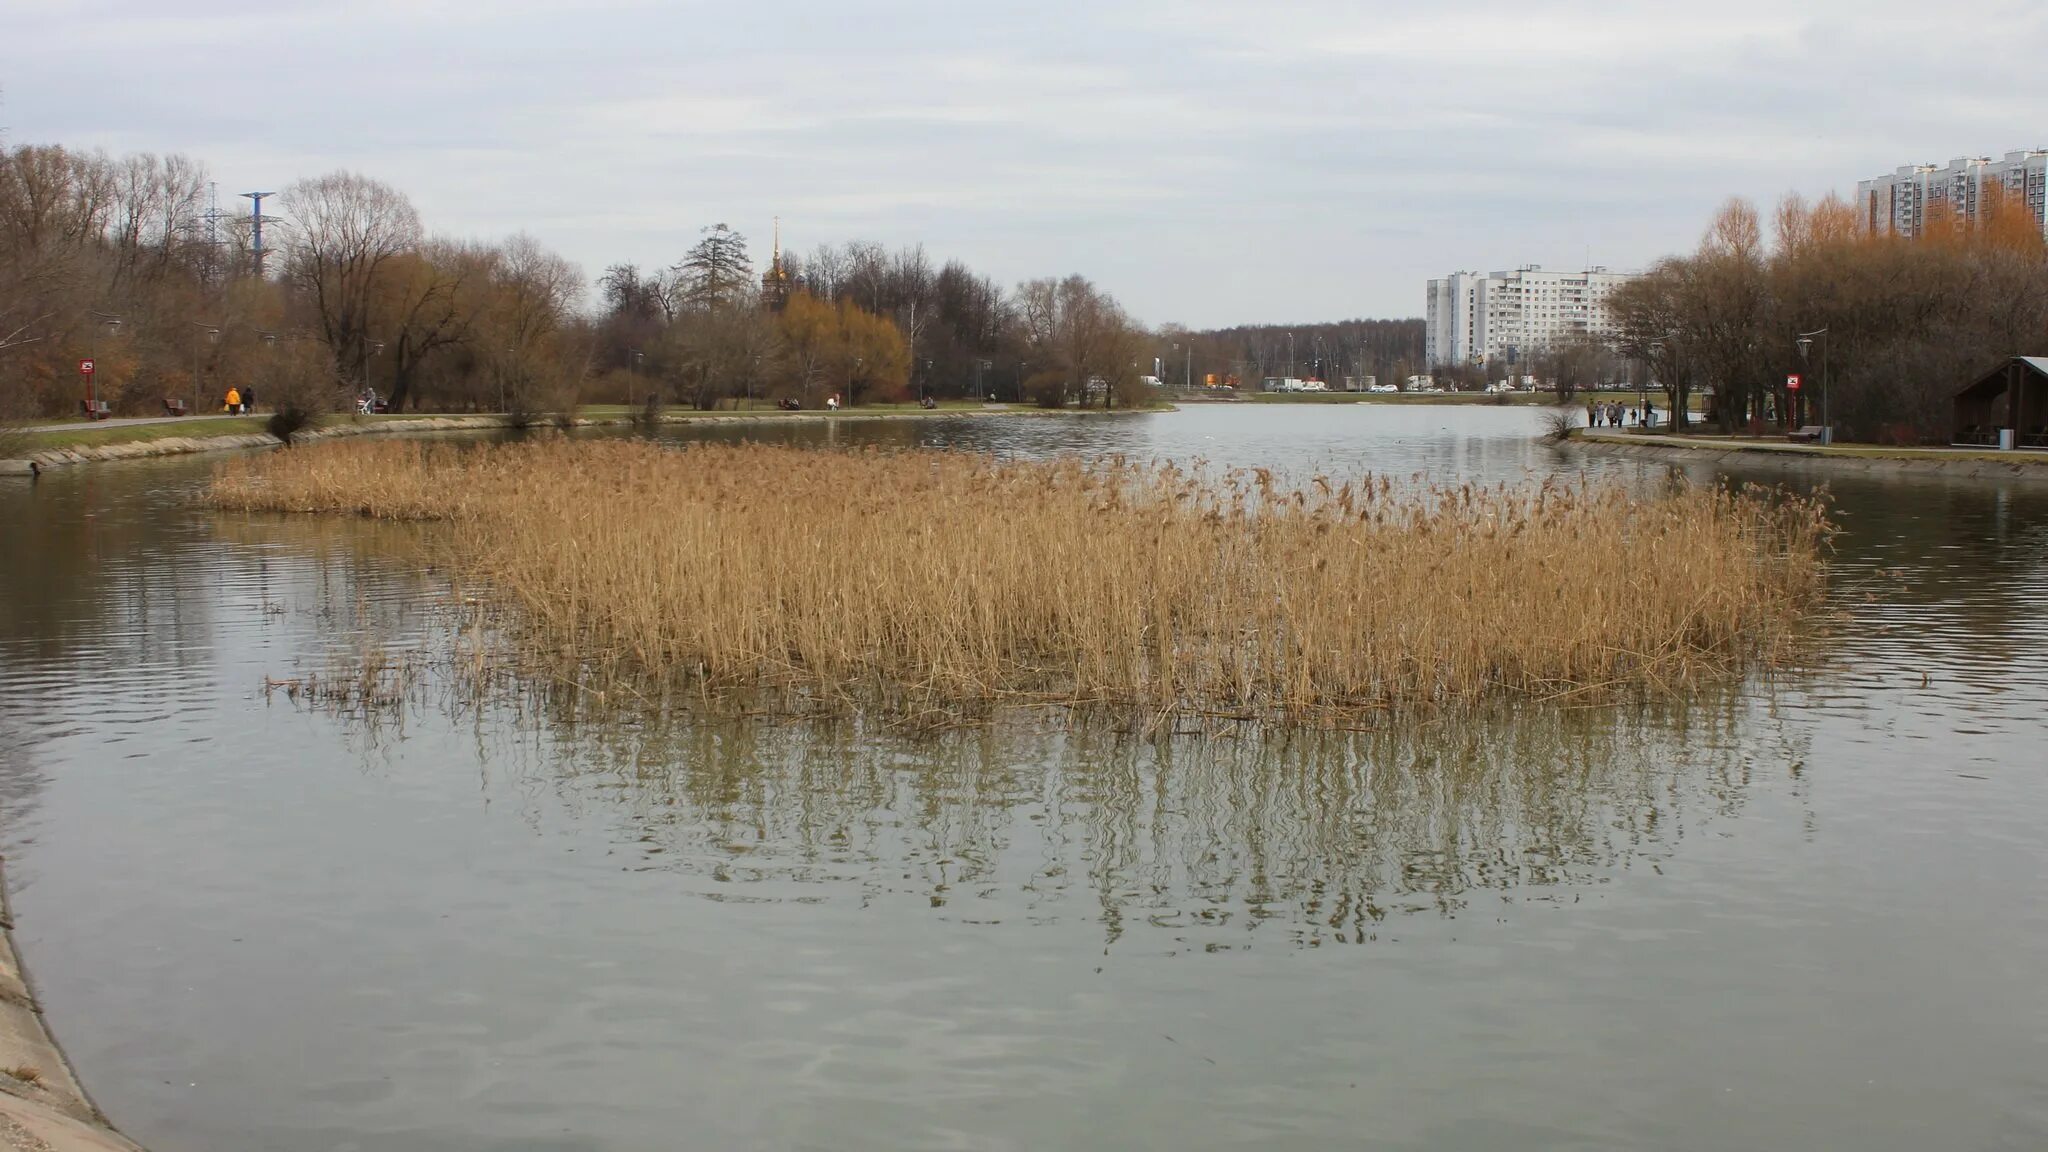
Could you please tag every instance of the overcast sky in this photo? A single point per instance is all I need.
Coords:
(1209, 161)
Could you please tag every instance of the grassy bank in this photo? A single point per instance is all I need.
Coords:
(953, 579)
(20, 441)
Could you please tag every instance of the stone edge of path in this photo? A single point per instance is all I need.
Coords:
(1793, 457)
(51, 1113)
(186, 445)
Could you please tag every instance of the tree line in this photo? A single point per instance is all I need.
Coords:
(1897, 324)
(865, 323)
(120, 260)
(1388, 351)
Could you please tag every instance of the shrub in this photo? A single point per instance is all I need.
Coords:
(302, 387)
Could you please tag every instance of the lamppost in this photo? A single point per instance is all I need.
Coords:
(112, 324)
(1643, 385)
(1827, 429)
(375, 349)
(212, 337)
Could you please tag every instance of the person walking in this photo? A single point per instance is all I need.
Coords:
(234, 401)
(249, 399)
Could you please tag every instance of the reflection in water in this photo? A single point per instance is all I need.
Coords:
(1221, 839)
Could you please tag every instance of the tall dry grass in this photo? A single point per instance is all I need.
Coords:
(958, 578)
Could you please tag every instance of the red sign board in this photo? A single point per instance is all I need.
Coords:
(85, 367)
(1792, 382)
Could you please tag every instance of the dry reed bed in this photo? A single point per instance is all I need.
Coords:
(958, 578)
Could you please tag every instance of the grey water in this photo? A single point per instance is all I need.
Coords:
(1807, 911)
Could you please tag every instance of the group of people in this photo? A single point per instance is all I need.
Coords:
(1609, 414)
(239, 401)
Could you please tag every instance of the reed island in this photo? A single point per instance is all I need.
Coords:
(961, 581)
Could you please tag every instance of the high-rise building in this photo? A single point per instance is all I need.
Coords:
(1900, 203)
(1474, 319)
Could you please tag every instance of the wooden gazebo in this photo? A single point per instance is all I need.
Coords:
(2013, 395)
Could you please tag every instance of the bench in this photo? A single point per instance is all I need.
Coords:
(94, 409)
(1806, 434)
(175, 407)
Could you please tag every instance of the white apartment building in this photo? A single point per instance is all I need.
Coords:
(1899, 203)
(1474, 319)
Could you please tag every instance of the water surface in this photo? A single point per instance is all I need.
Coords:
(1807, 912)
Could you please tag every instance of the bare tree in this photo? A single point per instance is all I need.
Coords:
(348, 232)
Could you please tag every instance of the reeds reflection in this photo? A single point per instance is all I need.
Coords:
(1216, 839)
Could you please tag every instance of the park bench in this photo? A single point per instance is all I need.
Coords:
(175, 407)
(95, 409)
(1806, 434)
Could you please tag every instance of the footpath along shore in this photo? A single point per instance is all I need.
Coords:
(1868, 459)
(57, 456)
(42, 1106)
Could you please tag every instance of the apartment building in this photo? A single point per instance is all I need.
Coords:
(1901, 202)
(1475, 319)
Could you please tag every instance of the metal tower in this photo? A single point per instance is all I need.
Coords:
(256, 222)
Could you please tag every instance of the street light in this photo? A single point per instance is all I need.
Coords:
(112, 324)
(1827, 429)
(212, 337)
(1643, 386)
(375, 349)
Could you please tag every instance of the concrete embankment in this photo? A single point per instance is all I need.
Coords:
(59, 457)
(1855, 459)
(42, 1106)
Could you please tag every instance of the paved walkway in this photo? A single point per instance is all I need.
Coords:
(1839, 449)
(124, 422)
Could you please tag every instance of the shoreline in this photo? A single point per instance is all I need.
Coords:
(1867, 459)
(145, 448)
(48, 1111)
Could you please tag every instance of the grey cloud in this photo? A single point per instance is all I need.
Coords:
(1210, 161)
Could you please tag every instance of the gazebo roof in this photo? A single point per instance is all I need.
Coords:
(1994, 381)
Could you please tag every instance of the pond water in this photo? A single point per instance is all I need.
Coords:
(1811, 911)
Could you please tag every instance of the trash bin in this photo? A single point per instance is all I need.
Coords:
(2005, 439)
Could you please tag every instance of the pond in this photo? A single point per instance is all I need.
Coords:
(1810, 910)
